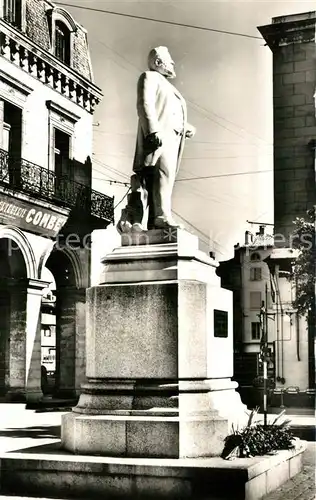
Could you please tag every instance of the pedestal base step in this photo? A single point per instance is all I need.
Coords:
(49, 471)
(144, 436)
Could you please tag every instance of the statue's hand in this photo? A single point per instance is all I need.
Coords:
(190, 131)
(153, 141)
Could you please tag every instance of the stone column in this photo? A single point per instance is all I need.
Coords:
(80, 350)
(24, 366)
(159, 355)
(65, 341)
(4, 334)
(70, 340)
(33, 339)
(16, 365)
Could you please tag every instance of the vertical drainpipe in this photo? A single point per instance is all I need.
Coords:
(297, 321)
(298, 337)
(242, 298)
(282, 323)
(277, 331)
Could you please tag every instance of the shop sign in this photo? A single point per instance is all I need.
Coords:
(30, 217)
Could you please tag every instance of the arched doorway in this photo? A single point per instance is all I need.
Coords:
(62, 270)
(13, 276)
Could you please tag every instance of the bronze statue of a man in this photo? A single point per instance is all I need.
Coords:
(162, 129)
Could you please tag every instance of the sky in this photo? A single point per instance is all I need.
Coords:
(227, 83)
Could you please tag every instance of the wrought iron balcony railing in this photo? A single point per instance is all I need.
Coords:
(27, 177)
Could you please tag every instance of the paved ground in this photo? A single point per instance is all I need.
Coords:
(302, 486)
(21, 428)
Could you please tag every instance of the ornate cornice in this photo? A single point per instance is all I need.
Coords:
(53, 106)
(13, 82)
(289, 29)
(17, 48)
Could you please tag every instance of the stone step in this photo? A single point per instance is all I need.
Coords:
(50, 471)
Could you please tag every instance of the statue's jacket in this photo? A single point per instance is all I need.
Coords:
(155, 108)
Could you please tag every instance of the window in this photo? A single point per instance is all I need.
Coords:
(255, 330)
(12, 137)
(61, 125)
(255, 300)
(62, 28)
(13, 12)
(62, 42)
(12, 142)
(61, 160)
(255, 274)
(47, 331)
(6, 136)
(255, 256)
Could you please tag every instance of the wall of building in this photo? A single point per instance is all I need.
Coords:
(38, 27)
(36, 134)
(291, 335)
(53, 104)
(292, 40)
(287, 334)
(250, 313)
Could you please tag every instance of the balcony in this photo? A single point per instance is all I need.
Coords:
(27, 177)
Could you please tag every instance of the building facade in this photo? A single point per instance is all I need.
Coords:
(263, 298)
(47, 207)
(260, 270)
(293, 44)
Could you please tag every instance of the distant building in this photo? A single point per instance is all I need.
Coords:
(47, 207)
(259, 275)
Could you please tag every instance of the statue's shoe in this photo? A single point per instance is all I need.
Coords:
(162, 223)
(137, 228)
(123, 226)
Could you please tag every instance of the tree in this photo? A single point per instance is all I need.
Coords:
(304, 266)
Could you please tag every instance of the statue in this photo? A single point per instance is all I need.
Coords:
(162, 130)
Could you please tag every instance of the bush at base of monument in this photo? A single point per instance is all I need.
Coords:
(258, 439)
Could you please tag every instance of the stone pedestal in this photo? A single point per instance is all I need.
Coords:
(159, 354)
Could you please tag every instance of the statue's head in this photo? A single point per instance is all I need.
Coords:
(159, 59)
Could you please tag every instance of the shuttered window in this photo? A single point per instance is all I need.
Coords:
(13, 12)
(62, 42)
(255, 331)
(255, 274)
(255, 300)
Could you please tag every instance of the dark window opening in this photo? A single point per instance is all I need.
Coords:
(255, 330)
(62, 42)
(12, 139)
(61, 158)
(13, 12)
(255, 274)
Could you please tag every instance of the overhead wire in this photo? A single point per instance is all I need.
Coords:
(198, 107)
(162, 21)
(194, 104)
(228, 121)
(111, 169)
(232, 174)
(204, 158)
(122, 199)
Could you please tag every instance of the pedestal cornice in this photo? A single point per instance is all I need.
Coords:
(158, 255)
